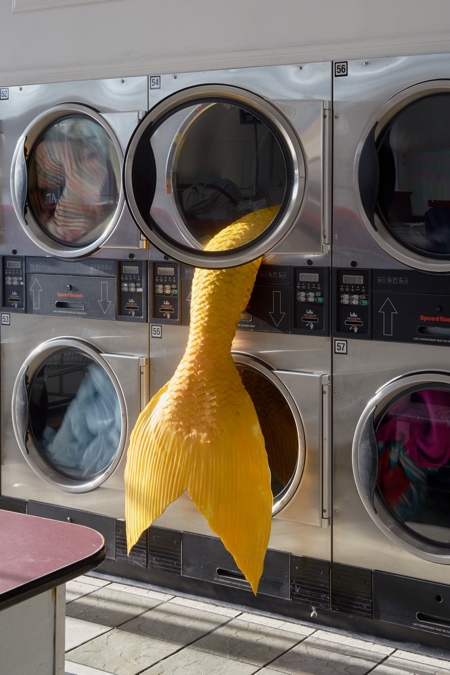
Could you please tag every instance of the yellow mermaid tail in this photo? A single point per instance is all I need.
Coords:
(200, 432)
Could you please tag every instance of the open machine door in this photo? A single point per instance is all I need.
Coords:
(210, 154)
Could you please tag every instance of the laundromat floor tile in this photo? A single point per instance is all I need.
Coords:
(403, 663)
(110, 607)
(78, 669)
(125, 629)
(175, 623)
(206, 606)
(327, 657)
(422, 659)
(121, 653)
(192, 662)
(277, 623)
(248, 642)
(79, 632)
(349, 642)
(75, 589)
(138, 590)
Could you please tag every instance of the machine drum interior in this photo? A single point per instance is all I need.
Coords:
(413, 437)
(253, 173)
(74, 415)
(414, 187)
(278, 427)
(74, 181)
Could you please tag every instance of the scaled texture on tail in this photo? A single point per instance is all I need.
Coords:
(200, 432)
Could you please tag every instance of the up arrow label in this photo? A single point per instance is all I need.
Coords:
(388, 310)
(36, 290)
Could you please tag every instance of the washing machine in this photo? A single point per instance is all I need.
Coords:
(282, 351)
(75, 377)
(390, 318)
(218, 145)
(62, 153)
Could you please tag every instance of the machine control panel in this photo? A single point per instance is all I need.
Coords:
(288, 300)
(391, 305)
(166, 292)
(311, 306)
(352, 303)
(171, 292)
(92, 289)
(285, 299)
(133, 290)
(411, 306)
(13, 283)
(270, 308)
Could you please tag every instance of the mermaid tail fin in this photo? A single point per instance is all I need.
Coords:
(231, 488)
(154, 473)
(228, 482)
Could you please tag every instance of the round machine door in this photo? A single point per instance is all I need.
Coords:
(205, 158)
(66, 181)
(281, 426)
(401, 463)
(402, 176)
(69, 415)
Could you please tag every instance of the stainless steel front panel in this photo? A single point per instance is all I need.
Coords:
(121, 353)
(366, 101)
(111, 109)
(291, 102)
(301, 367)
(358, 538)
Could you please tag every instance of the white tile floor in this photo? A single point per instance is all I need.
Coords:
(126, 630)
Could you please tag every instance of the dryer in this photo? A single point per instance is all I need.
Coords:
(391, 517)
(391, 188)
(391, 311)
(217, 145)
(63, 148)
(74, 380)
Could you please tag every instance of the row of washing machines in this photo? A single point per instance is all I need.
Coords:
(109, 192)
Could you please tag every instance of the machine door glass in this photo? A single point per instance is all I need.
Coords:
(281, 427)
(203, 160)
(66, 181)
(404, 178)
(68, 417)
(408, 432)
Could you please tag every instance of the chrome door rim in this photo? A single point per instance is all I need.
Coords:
(384, 521)
(265, 371)
(291, 143)
(380, 120)
(28, 223)
(20, 425)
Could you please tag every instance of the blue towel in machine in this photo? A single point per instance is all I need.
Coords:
(88, 438)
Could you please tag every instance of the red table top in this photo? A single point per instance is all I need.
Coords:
(37, 554)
